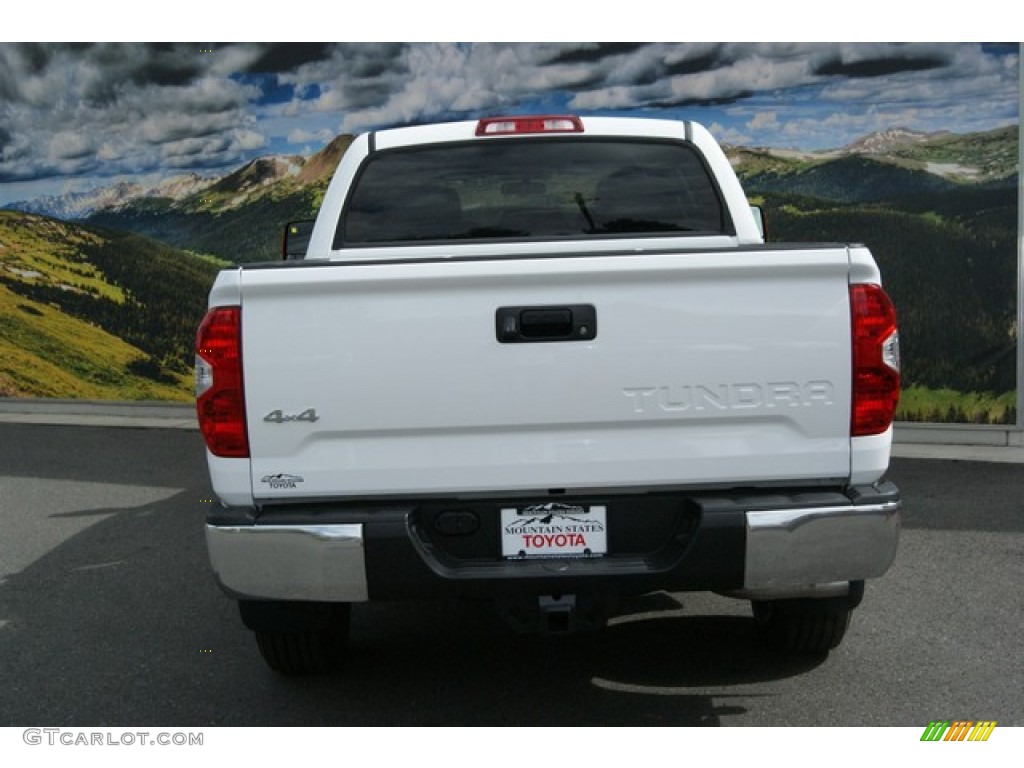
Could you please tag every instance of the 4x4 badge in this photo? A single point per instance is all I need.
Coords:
(280, 417)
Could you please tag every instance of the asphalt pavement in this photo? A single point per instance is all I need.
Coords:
(109, 614)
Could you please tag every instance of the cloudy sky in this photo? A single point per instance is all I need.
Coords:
(82, 115)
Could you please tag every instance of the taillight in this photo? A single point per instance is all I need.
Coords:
(504, 126)
(876, 360)
(220, 400)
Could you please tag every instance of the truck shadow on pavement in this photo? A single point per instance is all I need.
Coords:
(118, 621)
(123, 624)
(458, 665)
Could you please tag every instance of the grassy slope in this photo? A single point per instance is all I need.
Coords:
(46, 353)
(54, 249)
(69, 297)
(948, 405)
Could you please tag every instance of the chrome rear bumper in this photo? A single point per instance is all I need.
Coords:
(289, 562)
(816, 552)
(806, 551)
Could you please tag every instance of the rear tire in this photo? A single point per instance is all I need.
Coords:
(299, 638)
(806, 626)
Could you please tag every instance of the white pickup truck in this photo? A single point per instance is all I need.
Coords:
(546, 362)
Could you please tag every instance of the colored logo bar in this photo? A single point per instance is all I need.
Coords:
(958, 730)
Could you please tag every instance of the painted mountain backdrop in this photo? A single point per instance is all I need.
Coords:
(939, 211)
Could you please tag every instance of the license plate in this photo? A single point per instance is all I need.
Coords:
(554, 530)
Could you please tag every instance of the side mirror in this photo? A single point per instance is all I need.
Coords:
(762, 225)
(296, 239)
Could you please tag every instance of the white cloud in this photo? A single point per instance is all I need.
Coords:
(247, 140)
(134, 108)
(767, 120)
(302, 136)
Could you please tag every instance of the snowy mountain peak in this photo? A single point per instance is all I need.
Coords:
(881, 142)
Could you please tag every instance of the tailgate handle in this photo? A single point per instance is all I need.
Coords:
(518, 325)
(545, 323)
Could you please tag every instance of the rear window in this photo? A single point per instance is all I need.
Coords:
(523, 189)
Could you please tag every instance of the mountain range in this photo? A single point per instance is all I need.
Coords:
(188, 190)
(885, 166)
(80, 205)
(989, 157)
(238, 217)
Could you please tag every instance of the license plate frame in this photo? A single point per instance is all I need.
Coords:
(554, 530)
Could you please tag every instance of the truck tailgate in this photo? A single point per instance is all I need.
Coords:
(376, 379)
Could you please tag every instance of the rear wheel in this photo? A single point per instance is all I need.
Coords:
(807, 626)
(298, 638)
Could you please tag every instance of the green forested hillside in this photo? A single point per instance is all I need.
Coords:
(849, 179)
(93, 313)
(248, 232)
